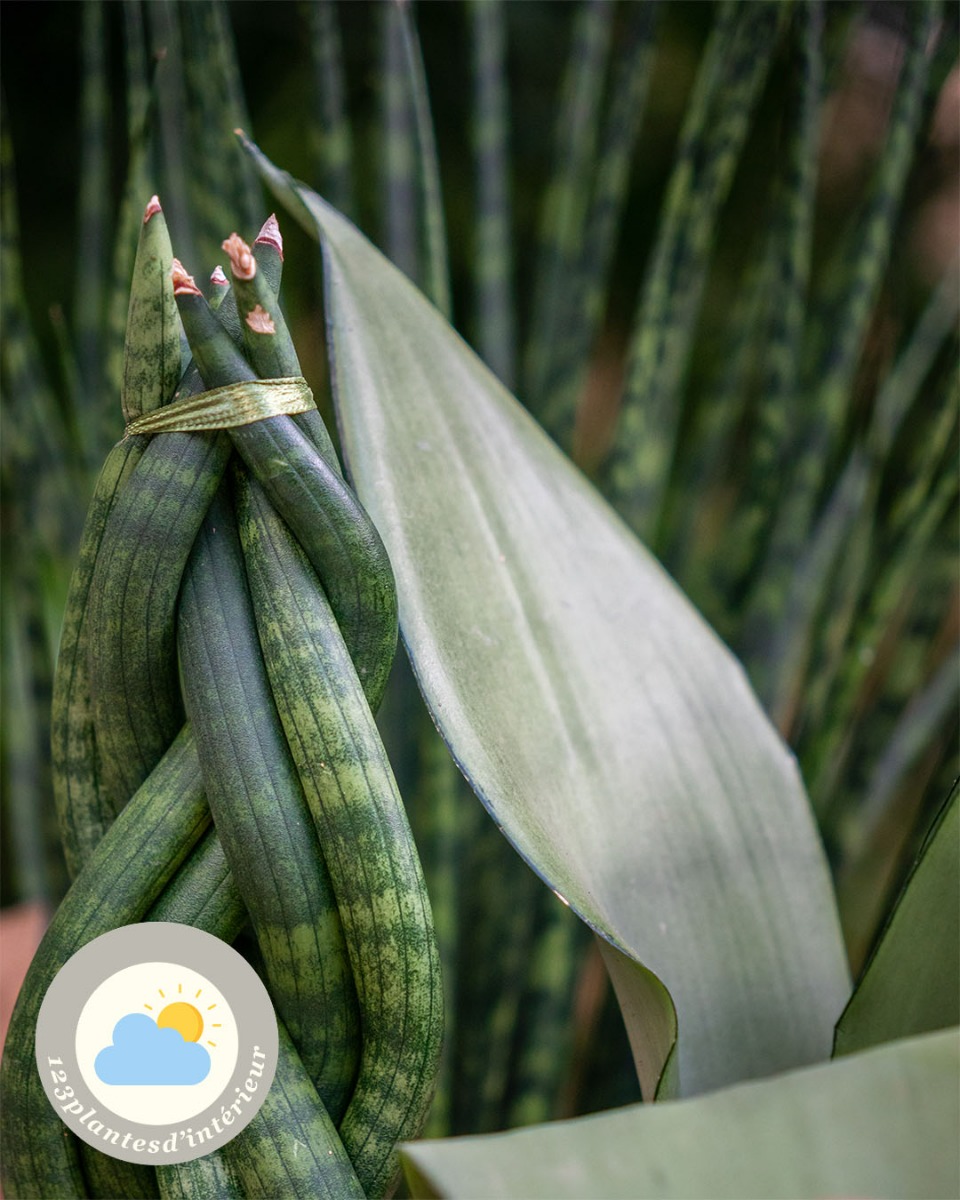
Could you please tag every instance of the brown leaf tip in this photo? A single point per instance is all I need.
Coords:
(183, 284)
(270, 234)
(217, 277)
(242, 263)
(260, 321)
(153, 207)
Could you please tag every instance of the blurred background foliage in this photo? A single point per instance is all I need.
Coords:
(711, 246)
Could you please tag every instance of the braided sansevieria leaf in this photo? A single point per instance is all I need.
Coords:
(194, 598)
(314, 675)
(151, 371)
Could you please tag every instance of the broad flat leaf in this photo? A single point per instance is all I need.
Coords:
(912, 982)
(881, 1123)
(611, 735)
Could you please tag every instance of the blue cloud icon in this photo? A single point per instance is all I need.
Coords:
(143, 1053)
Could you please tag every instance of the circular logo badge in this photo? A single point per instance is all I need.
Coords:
(156, 1043)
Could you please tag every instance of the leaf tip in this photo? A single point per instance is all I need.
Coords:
(242, 263)
(270, 235)
(183, 282)
(153, 207)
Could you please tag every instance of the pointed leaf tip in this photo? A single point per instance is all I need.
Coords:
(150, 368)
(270, 234)
(217, 277)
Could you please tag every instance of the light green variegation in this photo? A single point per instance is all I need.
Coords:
(608, 731)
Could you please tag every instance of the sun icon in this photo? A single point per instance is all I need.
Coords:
(184, 1017)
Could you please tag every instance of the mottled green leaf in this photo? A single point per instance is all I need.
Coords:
(151, 352)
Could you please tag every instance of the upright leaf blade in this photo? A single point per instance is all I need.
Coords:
(151, 360)
(845, 325)
(398, 183)
(334, 150)
(594, 234)
(489, 129)
(94, 213)
(611, 735)
(912, 982)
(716, 125)
(436, 270)
(567, 197)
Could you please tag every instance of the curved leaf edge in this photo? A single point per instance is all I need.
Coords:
(843, 1032)
(930, 1060)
